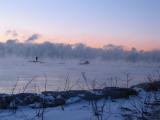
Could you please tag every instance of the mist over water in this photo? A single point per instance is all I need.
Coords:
(20, 71)
(61, 62)
(77, 51)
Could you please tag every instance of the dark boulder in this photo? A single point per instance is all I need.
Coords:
(3, 104)
(149, 86)
(59, 102)
(85, 62)
(64, 94)
(26, 98)
(89, 96)
(116, 93)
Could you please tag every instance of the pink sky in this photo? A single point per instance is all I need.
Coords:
(130, 23)
(89, 40)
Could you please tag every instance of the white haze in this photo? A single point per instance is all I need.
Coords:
(77, 51)
(59, 61)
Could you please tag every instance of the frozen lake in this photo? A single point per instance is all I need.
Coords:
(20, 72)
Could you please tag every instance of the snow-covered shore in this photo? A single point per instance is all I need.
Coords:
(145, 102)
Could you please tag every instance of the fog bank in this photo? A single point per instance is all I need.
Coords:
(76, 51)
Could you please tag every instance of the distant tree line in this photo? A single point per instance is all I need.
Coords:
(77, 51)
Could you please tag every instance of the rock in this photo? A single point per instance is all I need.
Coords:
(116, 93)
(51, 93)
(85, 62)
(64, 94)
(149, 86)
(91, 96)
(59, 102)
(73, 100)
(60, 98)
(26, 98)
(4, 104)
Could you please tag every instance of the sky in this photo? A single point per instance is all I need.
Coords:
(131, 23)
